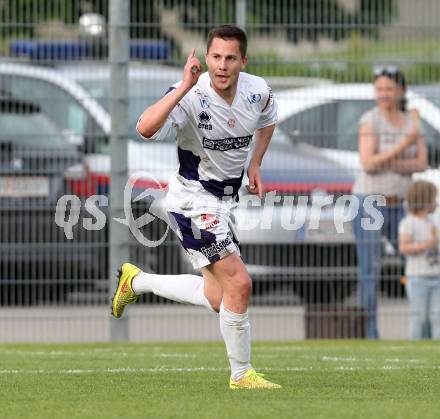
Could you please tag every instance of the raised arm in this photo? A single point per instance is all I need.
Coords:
(153, 118)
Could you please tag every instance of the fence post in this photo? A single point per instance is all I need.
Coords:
(119, 234)
(240, 13)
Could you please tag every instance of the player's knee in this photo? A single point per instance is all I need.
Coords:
(240, 280)
(243, 286)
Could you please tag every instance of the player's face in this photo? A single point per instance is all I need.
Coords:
(224, 61)
(388, 93)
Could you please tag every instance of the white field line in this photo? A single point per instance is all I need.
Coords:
(157, 352)
(174, 355)
(338, 358)
(287, 348)
(134, 354)
(409, 347)
(161, 369)
(112, 370)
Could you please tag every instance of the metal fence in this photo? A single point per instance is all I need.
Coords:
(59, 150)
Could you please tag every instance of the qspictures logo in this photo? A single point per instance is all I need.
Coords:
(290, 213)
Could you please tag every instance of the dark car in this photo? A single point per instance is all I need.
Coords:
(36, 262)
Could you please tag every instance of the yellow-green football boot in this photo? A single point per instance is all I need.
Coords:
(124, 294)
(252, 379)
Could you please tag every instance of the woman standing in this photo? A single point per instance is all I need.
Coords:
(391, 149)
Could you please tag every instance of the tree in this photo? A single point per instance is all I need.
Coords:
(311, 19)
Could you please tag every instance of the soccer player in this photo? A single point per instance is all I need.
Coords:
(216, 115)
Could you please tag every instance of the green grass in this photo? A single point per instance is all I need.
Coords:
(321, 379)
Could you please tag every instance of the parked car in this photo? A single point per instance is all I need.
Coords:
(35, 256)
(86, 126)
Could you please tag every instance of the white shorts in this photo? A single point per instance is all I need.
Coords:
(204, 225)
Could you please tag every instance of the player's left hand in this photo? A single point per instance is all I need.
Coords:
(255, 184)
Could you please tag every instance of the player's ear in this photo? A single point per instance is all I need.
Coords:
(244, 62)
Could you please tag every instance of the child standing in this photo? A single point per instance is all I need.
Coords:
(418, 241)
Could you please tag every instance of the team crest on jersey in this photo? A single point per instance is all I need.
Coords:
(231, 123)
(204, 118)
(254, 98)
(204, 103)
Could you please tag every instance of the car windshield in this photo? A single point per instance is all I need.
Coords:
(34, 130)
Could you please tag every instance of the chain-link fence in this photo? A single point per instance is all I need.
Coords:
(298, 243)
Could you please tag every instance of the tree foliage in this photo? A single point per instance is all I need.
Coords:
(302, 19)
(311, 19)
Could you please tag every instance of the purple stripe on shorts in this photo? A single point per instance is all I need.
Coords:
(194, 238)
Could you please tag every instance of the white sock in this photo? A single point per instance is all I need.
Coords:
(187, 289)
(236, 331)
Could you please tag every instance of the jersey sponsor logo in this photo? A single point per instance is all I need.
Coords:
(225, 144)
(254, 98)
(204, 118)
(210, 221)
(231, 123)
(216, 248)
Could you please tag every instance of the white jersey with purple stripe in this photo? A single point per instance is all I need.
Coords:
(213, 142)
(213, 137)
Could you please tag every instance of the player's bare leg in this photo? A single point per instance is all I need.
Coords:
(231, 274)
(213, 290)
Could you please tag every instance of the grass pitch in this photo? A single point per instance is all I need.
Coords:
(321, 379)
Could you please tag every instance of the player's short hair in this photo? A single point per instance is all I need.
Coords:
(226, 32)
(421, 194)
